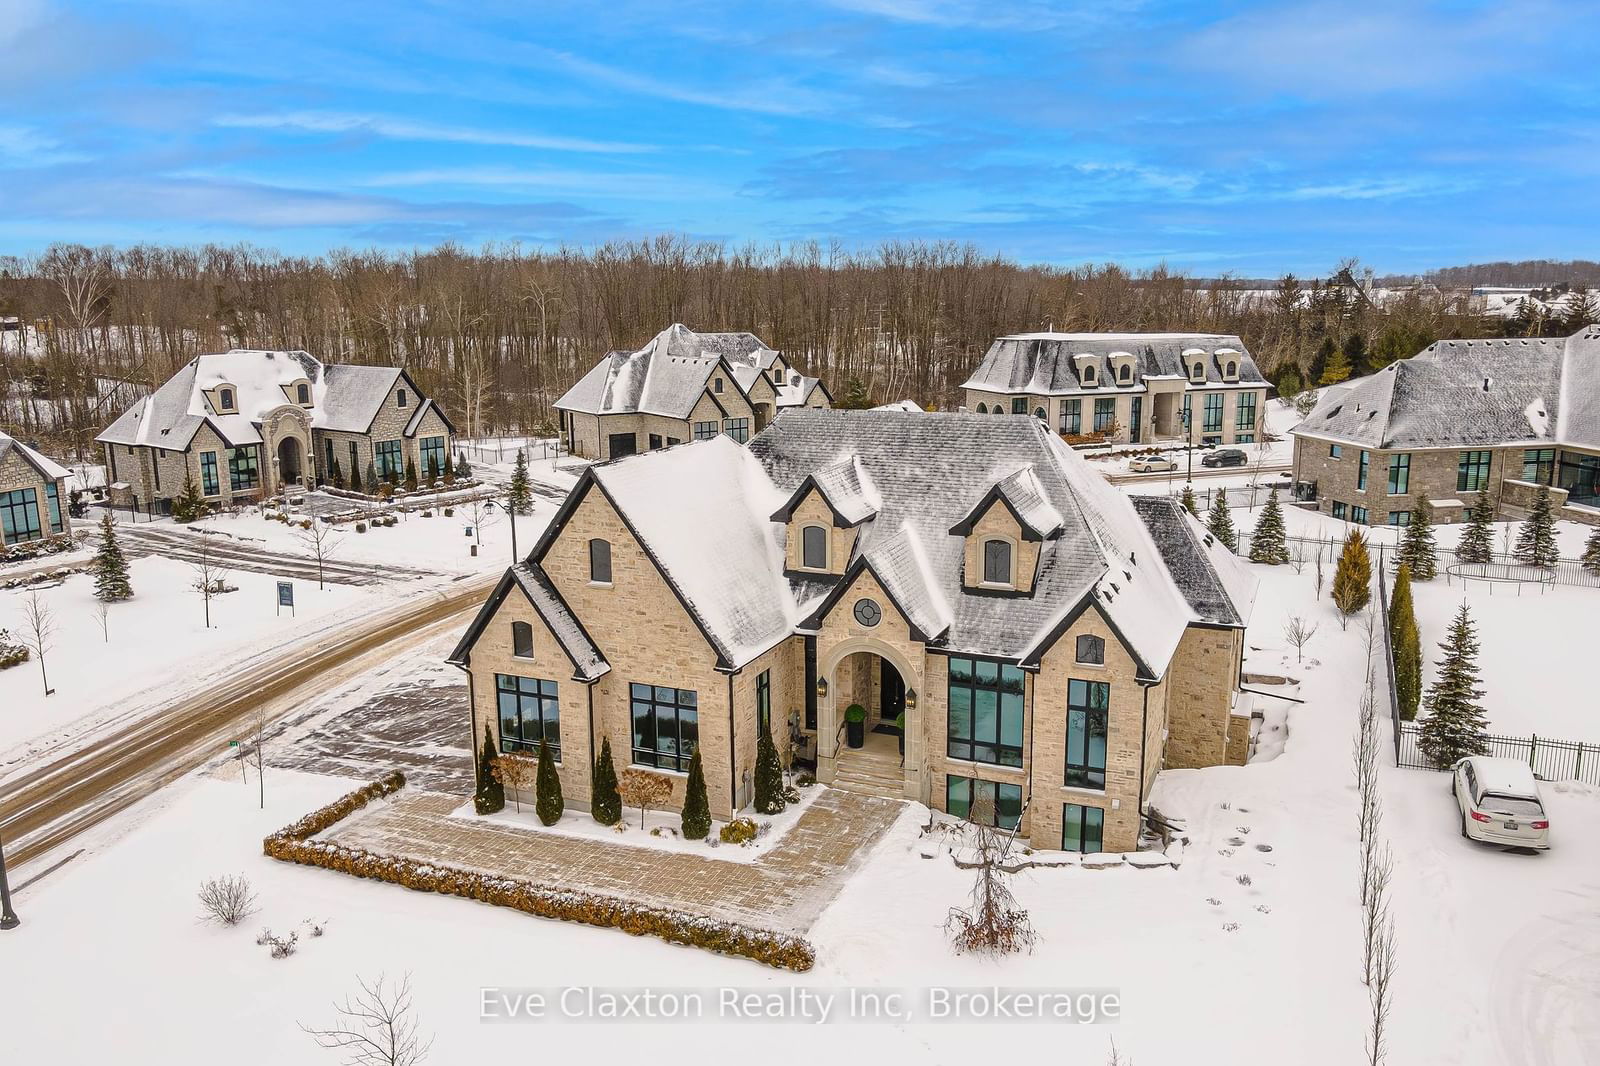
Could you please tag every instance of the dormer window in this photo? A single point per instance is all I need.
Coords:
(1197, 372)
(1125, 374)
(997, 562)
(302, 394)
(1088, 374)
(1231, 371)
(225, 399)
(777, 375)
(814, 548)
(1091, 650)
(400, 397)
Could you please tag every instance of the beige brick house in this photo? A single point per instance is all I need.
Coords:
(1502, 416)
(245, 423)
(1125, 388)
(682, 386)
(33, 495)
(1049, 642)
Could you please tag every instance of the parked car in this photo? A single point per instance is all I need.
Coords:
(1500, 803)
(1152, 464)
(1224, 457)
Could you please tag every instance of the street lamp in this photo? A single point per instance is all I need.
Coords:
(8, 917)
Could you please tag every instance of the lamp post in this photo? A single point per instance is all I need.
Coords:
(8, 917)
(1187, 414)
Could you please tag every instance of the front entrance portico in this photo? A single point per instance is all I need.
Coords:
(883, 679)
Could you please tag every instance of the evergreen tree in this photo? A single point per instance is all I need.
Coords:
(547, 787)
(519, 494)
(1591, 552)
(1352, 581)
(1356, 354)
(856, 397)
(1406, 642)
(1268, 544)
(433, 469)
(491, 794)
(463, 468)
(189, 505)
(1477, 539)
(1536, 539)
(769, 777)
(1188, 500)
(411, 475)
(355, 478)
(110, 566)
(393, 476)
(605, 801)
(1417, 549)
(1220, 522)
(372, 478)
(336, 475)
(1455, 726)
(1337, 370)
(1289, 381)
(449, 467)
(1319, 360)
(696, 807)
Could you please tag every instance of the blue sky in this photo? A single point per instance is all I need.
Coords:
(1226, 136)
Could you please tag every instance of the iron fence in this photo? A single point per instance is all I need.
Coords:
(1382, 622)
(1501, 567)
(501, 450)
(1549, 759)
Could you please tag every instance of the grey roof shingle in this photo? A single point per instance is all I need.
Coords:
(48, 468)
(1047, 363)
(667, 375)
(1184, 545)
(587, 661)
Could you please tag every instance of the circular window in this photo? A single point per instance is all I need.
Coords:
(868, 613)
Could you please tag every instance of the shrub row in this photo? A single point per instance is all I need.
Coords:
(36, 549)
(293, 844)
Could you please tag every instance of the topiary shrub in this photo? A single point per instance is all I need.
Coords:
(605, 801)
(549, 805)
(769, 777)
(696, 807)
(491, 794)
(361, 527)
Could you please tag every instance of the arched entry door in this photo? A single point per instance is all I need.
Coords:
(879, 754)
(291, 461)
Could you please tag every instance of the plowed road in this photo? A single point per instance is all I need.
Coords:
(47, 805)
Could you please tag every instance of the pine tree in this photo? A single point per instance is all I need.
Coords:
(1337, 370)
(463, 468)
(355, 478)
(1406, 641)
(1319, 360)
(189, 505)
(1591, 552)
(1455, 726)
(449, 467)
(372, 478)
(1220, 522)
(1355, 352)
(1188, 500)
(411, 475)
(433, 469)
(110, 566)
(856, 397)
(696, 807)
(1417, 549)
(1268, 544)
(605, 801)
(1477, 539)
(1536, 539)
(547, 787)
(1352, 581)
(336, 475)
(519, 494)
(1289, 382)
(769, 777)
(491, 794)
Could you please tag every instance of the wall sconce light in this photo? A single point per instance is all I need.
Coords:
(822, 688)
(911, 699)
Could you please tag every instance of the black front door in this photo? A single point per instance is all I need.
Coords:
(893, 700)
(623, 444)
(1135, 418)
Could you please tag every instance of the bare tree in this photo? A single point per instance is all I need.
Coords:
(258, 752)
(1297, 555)
(1380, 992)
(517, 772)
(210, 575)
(1320, 576)
(643, 789)
(479, 511)
(102, 618)
(992, 923)
(226, 900)
(38, 631)
(320, 540)
(1299, 633)
(376, 1027)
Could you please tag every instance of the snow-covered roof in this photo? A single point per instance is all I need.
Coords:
(1472, 392)
(846, 488)
(666, 376)
(1022, 491)
(797, 389)
(1052, 363)
(48, 468)
(1218, 586)
(908, 406)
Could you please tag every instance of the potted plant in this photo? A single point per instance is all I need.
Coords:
(900, 724)
(855, 725)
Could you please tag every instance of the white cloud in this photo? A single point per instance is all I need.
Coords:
(407, 130)
(604, 184)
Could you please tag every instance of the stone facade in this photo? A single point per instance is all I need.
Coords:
(590, 435)
(1159, 415)
(18, 473)
(1201, 731)
(998, 523)
(813, 510)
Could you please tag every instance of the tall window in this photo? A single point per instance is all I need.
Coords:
(1042, 415)
(1188, 411)
(1072, 416)
(996, 562)
(666, 726)
(225, 399)
(1091, 649)
(983, 408)
(705, 430)
(432, 452)
(355, 470)
(1082, 828)
(1019, 405)
(302, 394)
(400, 397)
(1363, 464)
(764, 703)
(1125, 374)
(1213, 422)
(1358, 514)
(244, 470)
(1245, 413)
(328, 472)
(522, 640)
(1197, 371)
(985, 711)
(386, 457)
(716, 386)
(814, 548)
(600, 561)
(1399, 474)
(1105, 414)
(1088, 714)
(1232, 370)
(737, 428)
(529, 712)
(1539, 465)
(19, 516)
(1472, 471)
(1005, 800)
(52, 496)
(1088, 374)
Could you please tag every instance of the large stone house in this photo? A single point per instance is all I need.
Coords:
(1502, 416)
(246, 423)
(682, 386)
(33, 495)
(1125, 388)
(1051, 643)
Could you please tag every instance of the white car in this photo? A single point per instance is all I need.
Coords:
(1500, 803)
(1152, 464)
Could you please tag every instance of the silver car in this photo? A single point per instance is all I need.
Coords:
(1500, 803)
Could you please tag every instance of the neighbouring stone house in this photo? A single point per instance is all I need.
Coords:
(1502, 416)
(1125, 388)
(682, 386)
(246, 423)
(33, 494)
(1051, 643)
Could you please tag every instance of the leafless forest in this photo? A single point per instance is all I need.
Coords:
(499, 333)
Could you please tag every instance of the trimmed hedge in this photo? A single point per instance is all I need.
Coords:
(293, 844)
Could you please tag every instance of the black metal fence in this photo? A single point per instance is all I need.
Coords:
(1501, 568)
(1550, 760)
(1382, 622)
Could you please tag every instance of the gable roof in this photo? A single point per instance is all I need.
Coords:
(666, 376)
(1024, 497)
(49, 469)
(1216, 584)
(845, 488)
(588, 664)
(1049, 363)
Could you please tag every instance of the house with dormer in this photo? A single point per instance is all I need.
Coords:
(245, 424)
(682, 386)
(1125, 388)
(1014, 628)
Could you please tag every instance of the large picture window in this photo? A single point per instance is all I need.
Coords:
(737, 428)
(1105, 414)
(1472, 471)
(19, 516)
(1088, 713)
(705, 430)
(1213, 423)
(432, 452)
(1082, 828)
(386, 458)
(52, 497)
(666, 726)
(1399, 474)
(1072, 417)
(1005, 800)
(209, 484)
(1245, 417)
(1539, 465)
(529, 712)
(244, 470)
(985, 701)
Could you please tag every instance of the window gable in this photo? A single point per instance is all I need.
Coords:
(600, 561)
(522, 640)
(997, 556)
(814, 548)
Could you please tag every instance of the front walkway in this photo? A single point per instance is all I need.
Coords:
(784, 891)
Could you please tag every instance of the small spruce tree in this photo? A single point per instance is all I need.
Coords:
(1352, 581)
(605, 800)
(355, 478)
(491, 794)
(1455, 726)
(1268, 544)
(1188, 500)
(547, 787)
(110, 566)
(433, 469)
(411, 475)
(1591, 552)
(769, 777)
(1417, 549)
(372, 478)
(856, 397)
(519, 494)
(696, 807)
(449, 467)
(1337, 370)
(1536, 539)
(1220, 522)
(1406, 642)
(1477, 539)
(463, 468)
(189, 505)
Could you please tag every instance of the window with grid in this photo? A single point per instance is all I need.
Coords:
(1213, 422)
(705, 430)
(1005, 800)
(244, 468)
(1472, 471)
(737, 428)
(1082, 828)
(1358, 515)
(985, 706)
(1364, 463)
(1245, 418)
(1339, 509)
(19, 516)
(1105, 414)
(432, 451)
(1019, 405)
(529, 712)
(1072, 416)
(1088, 720)
(1399, 474)
(1539, 465)
(386, 457)
(764, 703)
(1399, 518)
(52, 496)
(666, 726)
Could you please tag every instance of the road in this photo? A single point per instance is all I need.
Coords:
(48, 805)
(1199, 473)
(175, 542)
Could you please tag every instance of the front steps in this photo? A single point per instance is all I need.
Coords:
(869, 773)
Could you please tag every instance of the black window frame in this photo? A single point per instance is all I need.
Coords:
(302, 394)
(764, 703)
(1095, 646)
(1363, 470)
(52, 503)
(399, 397)
(1359, 514)
(954, 784)
(522, 640)
(210, 482)
(1019, 405)
(1004, 559)
(1082, 772)
(225, 398)
(599, 561)
(1081, 822)
(1472, 469)
(1540, 463)
(1073, 409)
(388, 458)
(545, 699)
(737, 428)
(1105, 413)
(806, 545)
(1246, 402)
(436, 446)
(21, 505)
(1400, 464)
(707, 430)
(1212, 407)
(991, 751)
(244, 468)
(661, 705)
